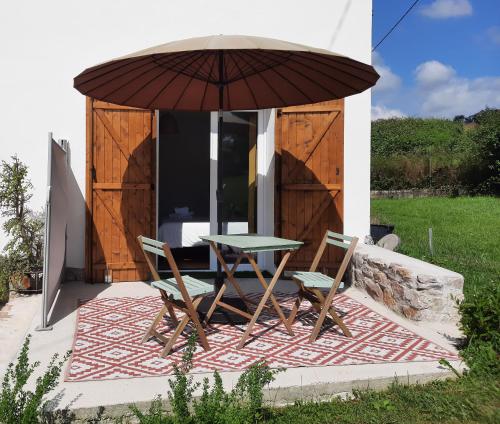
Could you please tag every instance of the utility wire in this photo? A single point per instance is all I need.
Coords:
(396, 24)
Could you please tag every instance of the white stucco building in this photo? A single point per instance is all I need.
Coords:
(47, 43)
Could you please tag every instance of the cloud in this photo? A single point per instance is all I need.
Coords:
(493, 34)
(432, 72)
(444, 94)
(442, 9)
(388, 81)
(382, 112)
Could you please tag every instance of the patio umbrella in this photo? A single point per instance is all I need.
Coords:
(218, 73)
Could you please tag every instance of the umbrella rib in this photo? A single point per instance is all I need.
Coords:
(292, 84)
(229, 71)
(143, 85)
(311, 79)
(189, 81)
(182, 71)
(262, 78)
(351, 63)
(331, 62)
(246, 83)
(207, 81)
(254, 69)
(174, 78)
(125, 63)
(125, 73)
(226, 84)
(321, 73)
(134, 78)
(109, 63)
(120, 66)
(127, 82)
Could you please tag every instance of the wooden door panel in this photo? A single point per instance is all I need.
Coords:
(309, 173)
(120, 190)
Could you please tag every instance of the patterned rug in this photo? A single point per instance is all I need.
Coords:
(109, 330)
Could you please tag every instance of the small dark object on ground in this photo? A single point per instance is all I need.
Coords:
(377, 231)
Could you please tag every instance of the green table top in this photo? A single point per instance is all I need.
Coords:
(251, 243)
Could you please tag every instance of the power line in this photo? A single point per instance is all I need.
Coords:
(396, 24)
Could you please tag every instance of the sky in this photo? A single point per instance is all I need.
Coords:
(442, 60)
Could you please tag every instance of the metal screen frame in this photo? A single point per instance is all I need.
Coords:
(48, 302)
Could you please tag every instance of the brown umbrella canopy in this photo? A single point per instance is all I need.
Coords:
(255, 73)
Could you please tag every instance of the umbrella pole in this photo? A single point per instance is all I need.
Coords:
(221, 315)
(219, 194)
(220, 187)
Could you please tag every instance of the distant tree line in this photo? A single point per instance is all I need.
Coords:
(462, 154)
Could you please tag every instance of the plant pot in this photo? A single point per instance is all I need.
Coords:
(28, 282)
(35, 280)
(377, 231)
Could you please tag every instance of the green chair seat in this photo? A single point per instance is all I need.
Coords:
(194, 286)
(315, 280)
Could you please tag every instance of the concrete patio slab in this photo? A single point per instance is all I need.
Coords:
(294, 383)
(16, 318)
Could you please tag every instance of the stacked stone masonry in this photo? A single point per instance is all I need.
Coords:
(415, 289)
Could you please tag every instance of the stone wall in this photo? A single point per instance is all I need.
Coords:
(413, 288)
(416, 193)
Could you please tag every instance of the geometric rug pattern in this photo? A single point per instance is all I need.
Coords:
(107, 342)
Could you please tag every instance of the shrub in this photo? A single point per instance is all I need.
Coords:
(19, 405)
(480, 313)
(403, 136)
(244, 404)
(4, 280)
(480, 322)
(485, 138)
(437, 153)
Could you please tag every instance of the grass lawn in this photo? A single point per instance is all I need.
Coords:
(466, 240)
(466, 233)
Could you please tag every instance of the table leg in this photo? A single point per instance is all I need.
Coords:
(230, 272)
(217, 301)
(275, 303)
(267, 294)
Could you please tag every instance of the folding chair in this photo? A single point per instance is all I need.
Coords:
(180, 292)
(311, 282)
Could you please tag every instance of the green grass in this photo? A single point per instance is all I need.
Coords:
(451, 401)
(466, 233)
(466, 240)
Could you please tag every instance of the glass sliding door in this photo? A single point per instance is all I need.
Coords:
(239, 175)
(184, 186)
(187, 177)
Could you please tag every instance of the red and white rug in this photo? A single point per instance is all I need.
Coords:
(107, 342)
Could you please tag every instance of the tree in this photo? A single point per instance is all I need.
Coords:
(23, 227)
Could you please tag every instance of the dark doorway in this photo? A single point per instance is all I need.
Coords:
(184, 186)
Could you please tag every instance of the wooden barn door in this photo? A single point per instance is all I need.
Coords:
(120, 191)
(309, 178)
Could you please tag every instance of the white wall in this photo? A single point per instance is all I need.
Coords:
(46, 43)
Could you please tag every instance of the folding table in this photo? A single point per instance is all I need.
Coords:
(248, 245)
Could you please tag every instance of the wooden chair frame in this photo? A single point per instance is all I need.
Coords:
(188, 304)
(321, 304)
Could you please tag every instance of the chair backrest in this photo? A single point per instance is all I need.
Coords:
(347, 243)
(155, 247)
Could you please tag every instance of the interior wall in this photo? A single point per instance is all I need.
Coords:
(184, 165)
(48, 43)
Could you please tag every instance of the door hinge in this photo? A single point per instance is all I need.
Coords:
(337, 171)
(152, 186)
(93, 174)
